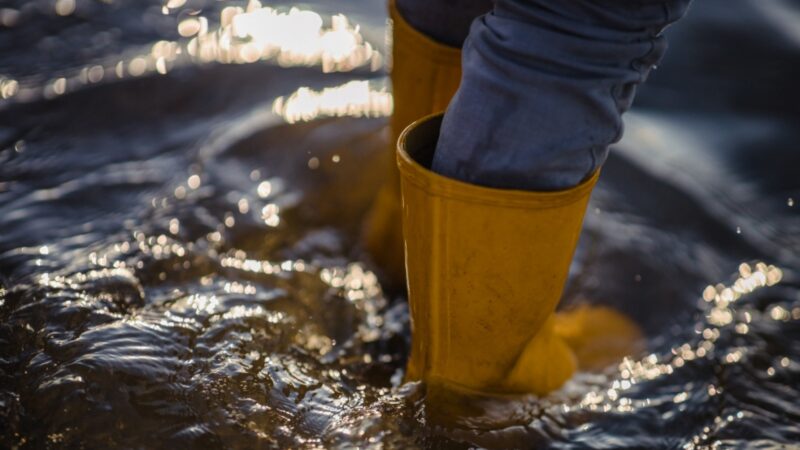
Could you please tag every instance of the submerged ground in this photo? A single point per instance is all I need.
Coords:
(181, 188)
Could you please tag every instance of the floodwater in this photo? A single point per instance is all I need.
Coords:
(181, 188)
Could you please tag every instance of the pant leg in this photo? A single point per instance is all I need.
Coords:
(544, 87)
(445, 21)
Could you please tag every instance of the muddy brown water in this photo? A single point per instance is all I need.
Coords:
(179, 259)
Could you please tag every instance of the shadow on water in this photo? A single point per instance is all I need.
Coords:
(179, 260)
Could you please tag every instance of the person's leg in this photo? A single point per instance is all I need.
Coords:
(426, 69)
(489, 245)
(427, 36)
(544, 87)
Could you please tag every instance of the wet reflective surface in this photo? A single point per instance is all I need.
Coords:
(180, 197)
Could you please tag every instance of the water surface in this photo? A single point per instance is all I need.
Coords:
(181, 189)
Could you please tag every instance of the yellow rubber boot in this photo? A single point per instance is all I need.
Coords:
(486, 269)
(425, 75)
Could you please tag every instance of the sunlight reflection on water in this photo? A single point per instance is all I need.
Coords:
(245, 35)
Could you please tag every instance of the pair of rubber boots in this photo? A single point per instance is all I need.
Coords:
(485, 268)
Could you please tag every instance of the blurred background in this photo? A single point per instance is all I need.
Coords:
(181, 189)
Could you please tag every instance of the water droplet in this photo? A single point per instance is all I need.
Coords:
(244, 206)
(180, 192)
(8, 88)
(65, 7)
(264, 189)
(790, 202)
(313, 163)
(59, 86)
(270, 215)
(174, 4)
(738, 230)
(779, 313)
(9, 17)
(95, 74)
(189, 27)
(161, 66)
(193, 182)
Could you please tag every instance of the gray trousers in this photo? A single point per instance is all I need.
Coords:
(544, 85)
